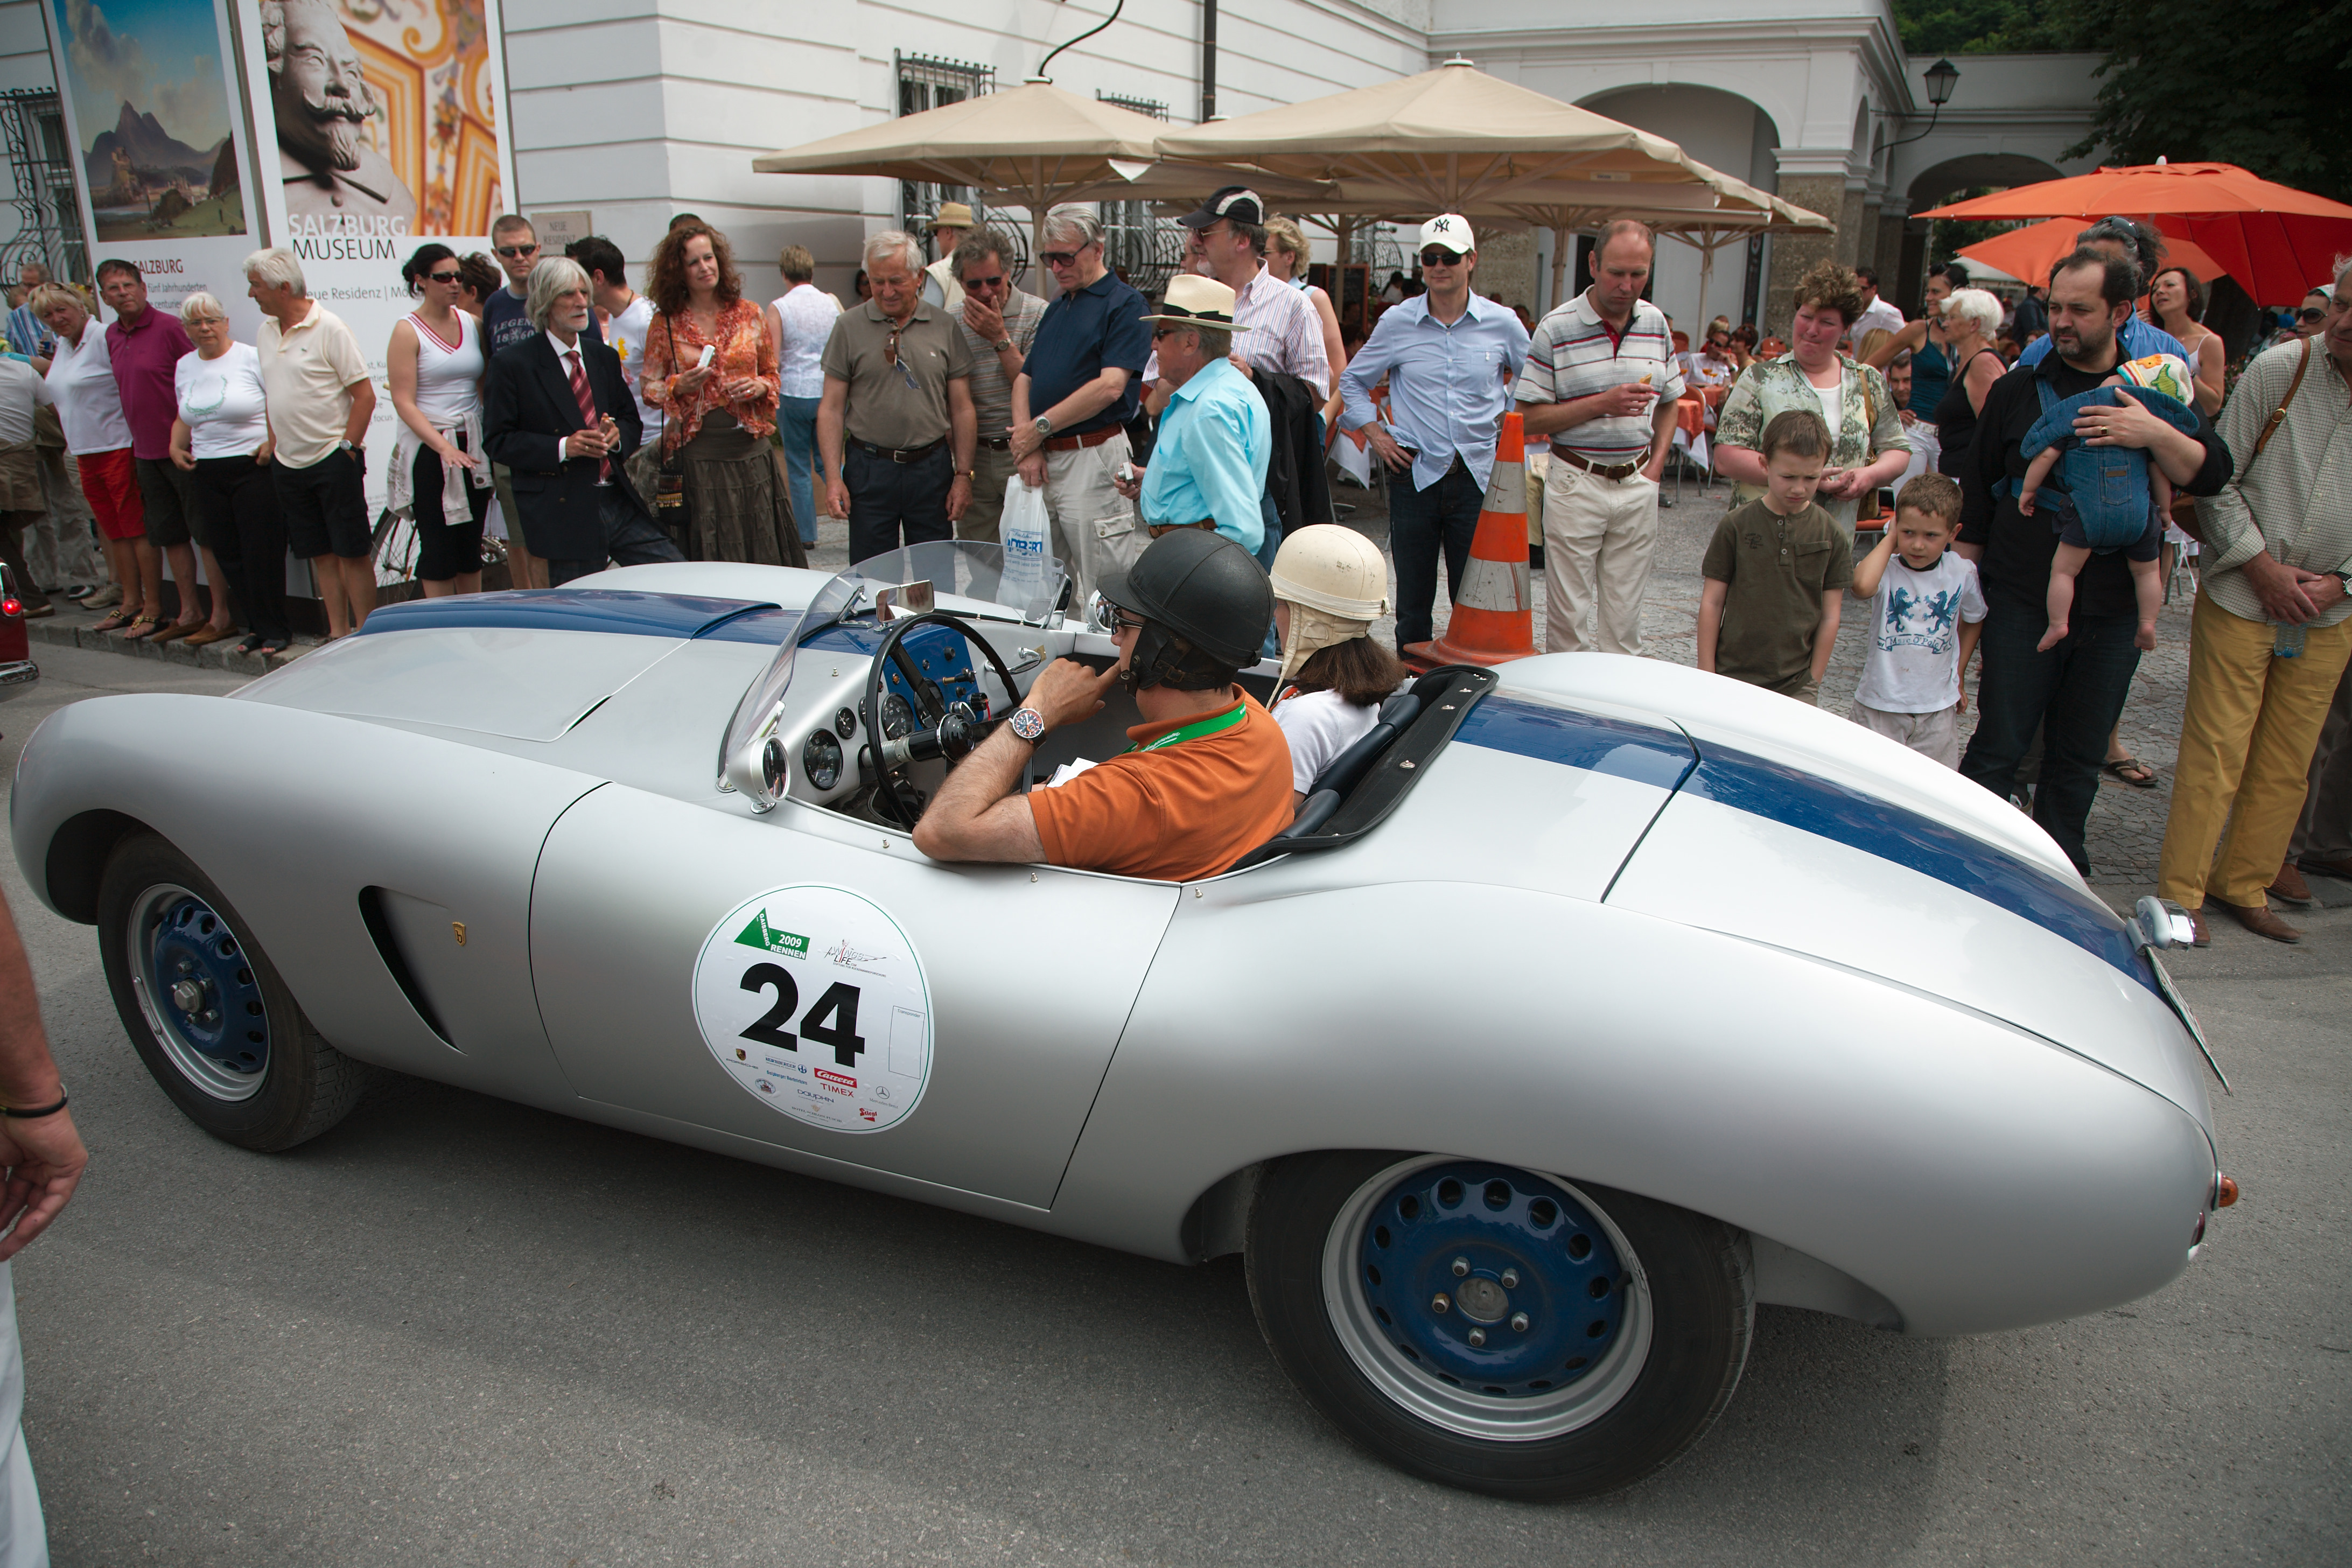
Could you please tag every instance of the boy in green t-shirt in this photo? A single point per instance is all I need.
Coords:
(1775, 571)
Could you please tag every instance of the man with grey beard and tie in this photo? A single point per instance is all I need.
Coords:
(321, 100)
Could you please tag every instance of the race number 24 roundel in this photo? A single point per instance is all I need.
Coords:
(811, 998)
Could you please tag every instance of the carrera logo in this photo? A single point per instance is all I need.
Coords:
(768, 939)
(836, 1078)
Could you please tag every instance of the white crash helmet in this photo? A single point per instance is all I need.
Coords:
(1336, 582)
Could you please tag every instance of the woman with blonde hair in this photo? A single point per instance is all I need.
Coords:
(1285, 262)
(718, 413)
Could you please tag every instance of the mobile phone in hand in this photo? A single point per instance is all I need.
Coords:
(708, 353)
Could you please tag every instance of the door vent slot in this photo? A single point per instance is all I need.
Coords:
(375, 913)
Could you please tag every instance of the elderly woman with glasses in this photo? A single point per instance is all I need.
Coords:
(221, 439)
(711, 368)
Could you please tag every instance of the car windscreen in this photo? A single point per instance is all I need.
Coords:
(967, 577)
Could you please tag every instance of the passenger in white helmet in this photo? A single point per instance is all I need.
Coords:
(1329, 584)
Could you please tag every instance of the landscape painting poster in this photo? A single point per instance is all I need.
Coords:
(382, 125)
(149, 92)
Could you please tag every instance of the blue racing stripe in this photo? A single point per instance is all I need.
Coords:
(1614, 746)
(1783, 794)
(566, 610)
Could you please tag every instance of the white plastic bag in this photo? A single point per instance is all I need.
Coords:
(1023, 531)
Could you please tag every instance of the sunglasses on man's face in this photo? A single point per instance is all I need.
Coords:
(517, 252)
(1434, 256)
(1058, 258)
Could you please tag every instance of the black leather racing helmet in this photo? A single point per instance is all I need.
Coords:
(1208, 603)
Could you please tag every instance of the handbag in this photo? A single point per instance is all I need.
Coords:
(2184, 506)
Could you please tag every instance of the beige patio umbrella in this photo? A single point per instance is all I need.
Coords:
(1035, 143)
(1440, 141)
(1720, 230)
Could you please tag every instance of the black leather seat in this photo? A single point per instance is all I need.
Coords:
(1346, 770)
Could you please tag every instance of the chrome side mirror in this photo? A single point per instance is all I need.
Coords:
(760, 771)
(1100, 616)
(2162, 923)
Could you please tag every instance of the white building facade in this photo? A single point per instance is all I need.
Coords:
(629, 111)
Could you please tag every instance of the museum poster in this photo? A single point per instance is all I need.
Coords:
(382, 124)
(150, 97)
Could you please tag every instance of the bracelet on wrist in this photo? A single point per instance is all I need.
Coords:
(36, 1112)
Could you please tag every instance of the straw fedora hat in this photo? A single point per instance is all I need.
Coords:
(952, 215)
(1193, 301)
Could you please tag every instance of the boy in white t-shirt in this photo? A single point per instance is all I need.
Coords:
(1927, 611)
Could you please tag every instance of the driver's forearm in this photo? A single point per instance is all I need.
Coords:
(968, 819)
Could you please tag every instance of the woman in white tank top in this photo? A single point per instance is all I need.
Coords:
(440, 477)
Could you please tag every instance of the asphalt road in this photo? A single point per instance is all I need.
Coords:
(455, 1331)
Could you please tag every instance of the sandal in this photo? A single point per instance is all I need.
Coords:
(131, 632)
(2121, 767)
(114, 622)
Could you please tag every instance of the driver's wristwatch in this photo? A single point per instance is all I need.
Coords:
(1028, 724)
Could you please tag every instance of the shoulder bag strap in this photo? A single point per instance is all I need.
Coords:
(2278, 415)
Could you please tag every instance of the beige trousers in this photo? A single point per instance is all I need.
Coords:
(989, 470)
(1095, 529)
(1599, 536)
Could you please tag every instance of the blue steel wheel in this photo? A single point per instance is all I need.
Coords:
(1537, 1274)
(1488, 1300)
(198, 993)
(207, 1012)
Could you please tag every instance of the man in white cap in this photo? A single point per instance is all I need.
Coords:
(1449, 358)
(1208, 464)
(948, 231)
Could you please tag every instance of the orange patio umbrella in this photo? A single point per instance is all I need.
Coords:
(2028, 254)
(2275, 241)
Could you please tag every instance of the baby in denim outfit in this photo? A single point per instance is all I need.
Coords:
(2108, 497)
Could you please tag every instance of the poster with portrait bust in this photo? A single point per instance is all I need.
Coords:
(382, 125)
(148, 89)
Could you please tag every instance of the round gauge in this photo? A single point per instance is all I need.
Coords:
(844, 723)
(821, 761)
(898, 718)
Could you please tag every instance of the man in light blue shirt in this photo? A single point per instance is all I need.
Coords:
(2142, 247)
(1449, 357)
(1208, 464)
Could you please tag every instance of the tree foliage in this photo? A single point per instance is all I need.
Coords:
(2265, 84)
(1985, 26)
(2268, 87)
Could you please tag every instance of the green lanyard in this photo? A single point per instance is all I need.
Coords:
(1199, 726)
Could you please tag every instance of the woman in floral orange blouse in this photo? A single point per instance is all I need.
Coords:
(720, 416)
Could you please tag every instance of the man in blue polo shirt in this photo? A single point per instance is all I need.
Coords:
(1208, 466)
(1071, 403)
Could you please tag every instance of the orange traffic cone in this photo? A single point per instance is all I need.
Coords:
(1493, 617)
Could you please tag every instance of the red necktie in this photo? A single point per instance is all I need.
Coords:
(587, 401)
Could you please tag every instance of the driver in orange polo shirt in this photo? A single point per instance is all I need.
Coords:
(1208, 778)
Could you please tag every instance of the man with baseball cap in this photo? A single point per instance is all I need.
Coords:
(1208, 777)
(939, 285)
(1208, 464)
(1449, 358)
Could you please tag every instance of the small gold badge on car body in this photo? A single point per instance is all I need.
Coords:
(458, 927)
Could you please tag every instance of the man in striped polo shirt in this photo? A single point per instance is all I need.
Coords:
(1600, 381)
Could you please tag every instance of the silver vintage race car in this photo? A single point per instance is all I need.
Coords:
(1588, 1002)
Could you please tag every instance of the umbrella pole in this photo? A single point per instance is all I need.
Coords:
(1563, 240)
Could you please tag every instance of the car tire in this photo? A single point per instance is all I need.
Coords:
(1498, 1330)
(206, 1010)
